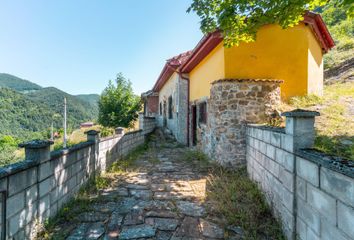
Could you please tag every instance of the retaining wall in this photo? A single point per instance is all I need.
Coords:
(311, 193)
(35, 189)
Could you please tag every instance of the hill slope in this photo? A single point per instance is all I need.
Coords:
(77, 109)
(16, 83)
(22, 117)
(27, 109)
(90, 98)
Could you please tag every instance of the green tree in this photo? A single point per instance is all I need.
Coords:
(239, 20)
(118, 105)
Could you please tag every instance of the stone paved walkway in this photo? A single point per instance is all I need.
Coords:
(162, 200)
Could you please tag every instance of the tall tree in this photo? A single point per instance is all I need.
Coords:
(118, 106)
(239, 20)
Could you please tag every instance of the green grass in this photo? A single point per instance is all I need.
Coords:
(335, 126)
(233, 195)
(236, 197)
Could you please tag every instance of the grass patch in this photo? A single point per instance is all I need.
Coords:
(305, 101)
(128, 162)
(236, 197)
(335, 126)
(233, 195)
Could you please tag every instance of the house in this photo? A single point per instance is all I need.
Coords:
(212, 90)
(171, 105)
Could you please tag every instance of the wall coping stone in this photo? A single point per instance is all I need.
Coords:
(108, 138)
(16, 167)
(132, 132)
(62, 152)
(247, 80)
(335, 163)
(92, 132)
(301, 113)
(36, 144)
(267, 127)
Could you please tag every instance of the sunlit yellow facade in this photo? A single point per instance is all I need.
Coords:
(293, 55)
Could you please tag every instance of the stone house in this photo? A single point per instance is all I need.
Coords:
(207, 95)
(168, 100)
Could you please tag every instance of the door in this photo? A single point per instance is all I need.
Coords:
(194, 125)
(164, 114)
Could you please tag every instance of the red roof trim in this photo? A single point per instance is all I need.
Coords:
(204, 47)
(170, 67)
(320, 30)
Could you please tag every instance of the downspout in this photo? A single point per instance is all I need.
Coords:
(188, 112)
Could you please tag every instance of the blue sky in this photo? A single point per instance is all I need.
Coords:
(79, 45)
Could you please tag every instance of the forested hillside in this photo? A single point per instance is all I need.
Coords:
(341, 28)
(27, 110)
(17, 84)
(90, 98)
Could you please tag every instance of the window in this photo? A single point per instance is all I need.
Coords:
(160, 108)
(203, 112)
(170, 116)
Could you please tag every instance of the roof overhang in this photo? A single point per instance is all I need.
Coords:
(319, 28)
(204, 47)
(165, 74)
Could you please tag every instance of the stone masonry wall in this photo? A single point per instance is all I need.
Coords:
(233, 103)
(39, 186)
(311, 193)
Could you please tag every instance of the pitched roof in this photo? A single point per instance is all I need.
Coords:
(211, 40)
(170, 67)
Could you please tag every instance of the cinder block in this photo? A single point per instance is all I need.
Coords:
(346, 219)
(309, 215)
(322, 202)
(287, 178)
(19, 181)
(301, 229)
(331, 232)
(338, 185)
(288, 199)
(15, 204)
(32, 194)
(272, 167)
(275, 139)
(266, 136)
(284, 158)
(309, 171)
(45, 170)
(270, 151)
(46, 186)
(310, 235)
(44, 204)
(287, 142)
(301, 188)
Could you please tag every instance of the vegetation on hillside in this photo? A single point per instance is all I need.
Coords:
(17, 84)
(341, 28)
(335, 126)
(90, 98)
(28, 110)
(118, 105)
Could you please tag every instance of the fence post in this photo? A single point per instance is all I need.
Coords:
(300, 124)
(37, 150)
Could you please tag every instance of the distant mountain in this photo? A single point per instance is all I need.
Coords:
(26, 108)
(90, 98)
(77, 109)
(21, 116)
(16, 83)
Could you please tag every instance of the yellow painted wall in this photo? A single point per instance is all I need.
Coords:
(292, 55)
(276, 54)
(211, 68)
(315, 66)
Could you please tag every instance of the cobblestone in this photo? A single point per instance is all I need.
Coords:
(164, 200)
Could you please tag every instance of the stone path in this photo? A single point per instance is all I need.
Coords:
(162, 200)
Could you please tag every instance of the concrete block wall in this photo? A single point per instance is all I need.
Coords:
(36, 189)
(311, 193)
